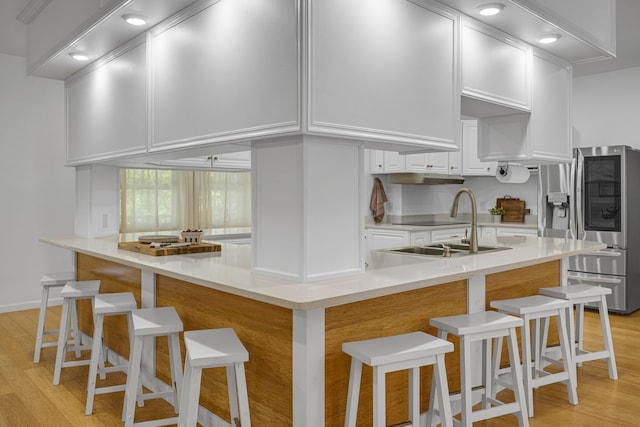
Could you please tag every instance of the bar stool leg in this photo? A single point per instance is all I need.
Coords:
(176, 369)
(440, 381)
(527, 365)
(232, 390)
(42, 320)
(516, 375)
(414, 395)
(62, 340)
(465, 368)
(190, 396)
(353, 394)
(579, 331)
(75, 328)
(605, 326)
(379, 386)
(243, 396)
(96, 350)
(567, 358)
(487, 374)
(133, 378)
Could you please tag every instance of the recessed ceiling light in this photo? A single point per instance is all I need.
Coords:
(548, 38)
(133, 19)
(79, 56)
(490, 9)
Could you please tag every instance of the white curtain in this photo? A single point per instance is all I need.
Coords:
(163, 200)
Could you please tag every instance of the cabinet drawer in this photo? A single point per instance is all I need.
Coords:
(448, 234)
(384, 239)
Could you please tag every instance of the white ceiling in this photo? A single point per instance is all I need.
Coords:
(13, 36)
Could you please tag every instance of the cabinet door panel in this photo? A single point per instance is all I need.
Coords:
(471, 164)
(384, 239)
(550, 113)
(367, 60)
(106, 109)
(226, 72)
(494, 67)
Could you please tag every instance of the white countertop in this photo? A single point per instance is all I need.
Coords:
(386, 274)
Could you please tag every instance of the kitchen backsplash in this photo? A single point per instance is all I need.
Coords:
(435, 199)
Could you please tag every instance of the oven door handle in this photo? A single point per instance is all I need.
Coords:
(593, 279)
(604, 253)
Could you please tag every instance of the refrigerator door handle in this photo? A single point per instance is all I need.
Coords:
(593, 279)
(579, 159)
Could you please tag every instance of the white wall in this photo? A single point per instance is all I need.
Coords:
(606, 108)
(38, 192)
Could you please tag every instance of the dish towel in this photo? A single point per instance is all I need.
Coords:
(378, 198)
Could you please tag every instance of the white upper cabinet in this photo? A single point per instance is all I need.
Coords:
(495, 67)
(471, 164)
(542, 136)
(107, 108)
(239, 160)
(437, 162)
(550, 121)
(226, 72)
(384, 71)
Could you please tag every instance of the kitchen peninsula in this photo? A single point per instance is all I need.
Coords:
(297, 374)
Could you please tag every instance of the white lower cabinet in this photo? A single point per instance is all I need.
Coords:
(447, 234)
(420, 238)
(503, 231)
(487, 232)
(385, 239)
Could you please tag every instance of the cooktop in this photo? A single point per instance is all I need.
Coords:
(430, 223)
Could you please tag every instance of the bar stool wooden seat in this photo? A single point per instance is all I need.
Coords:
(579, 295)
(483, 327)
(147, 323)
(399, 352)
(538, 307)
(107, 305)
(212, 348)
(71, 293)
(49, 281)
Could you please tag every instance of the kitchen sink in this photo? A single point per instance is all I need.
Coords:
(454, 250)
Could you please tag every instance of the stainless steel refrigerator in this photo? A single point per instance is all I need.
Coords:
(597, 197)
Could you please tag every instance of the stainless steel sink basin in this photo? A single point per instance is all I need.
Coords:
(455, 250)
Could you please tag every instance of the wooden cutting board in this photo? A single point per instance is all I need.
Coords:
(514, 209)
(145, 248)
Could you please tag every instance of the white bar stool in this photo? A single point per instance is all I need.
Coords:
(578, 296)
(147, 323)
(71, 293)
(538, 307)
(212, 348)
(48, 281)
(388, 354)
(107, 305)
(483, 326)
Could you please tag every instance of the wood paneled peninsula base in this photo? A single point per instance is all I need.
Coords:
(297, 374)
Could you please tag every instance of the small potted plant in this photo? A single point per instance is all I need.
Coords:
(496, 213)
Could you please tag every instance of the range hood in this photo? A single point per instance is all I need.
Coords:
(424, 178)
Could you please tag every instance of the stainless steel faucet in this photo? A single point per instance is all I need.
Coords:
(473, 241)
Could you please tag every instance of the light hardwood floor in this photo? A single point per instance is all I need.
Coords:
(28, 398)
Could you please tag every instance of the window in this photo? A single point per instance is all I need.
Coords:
(163, 200)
